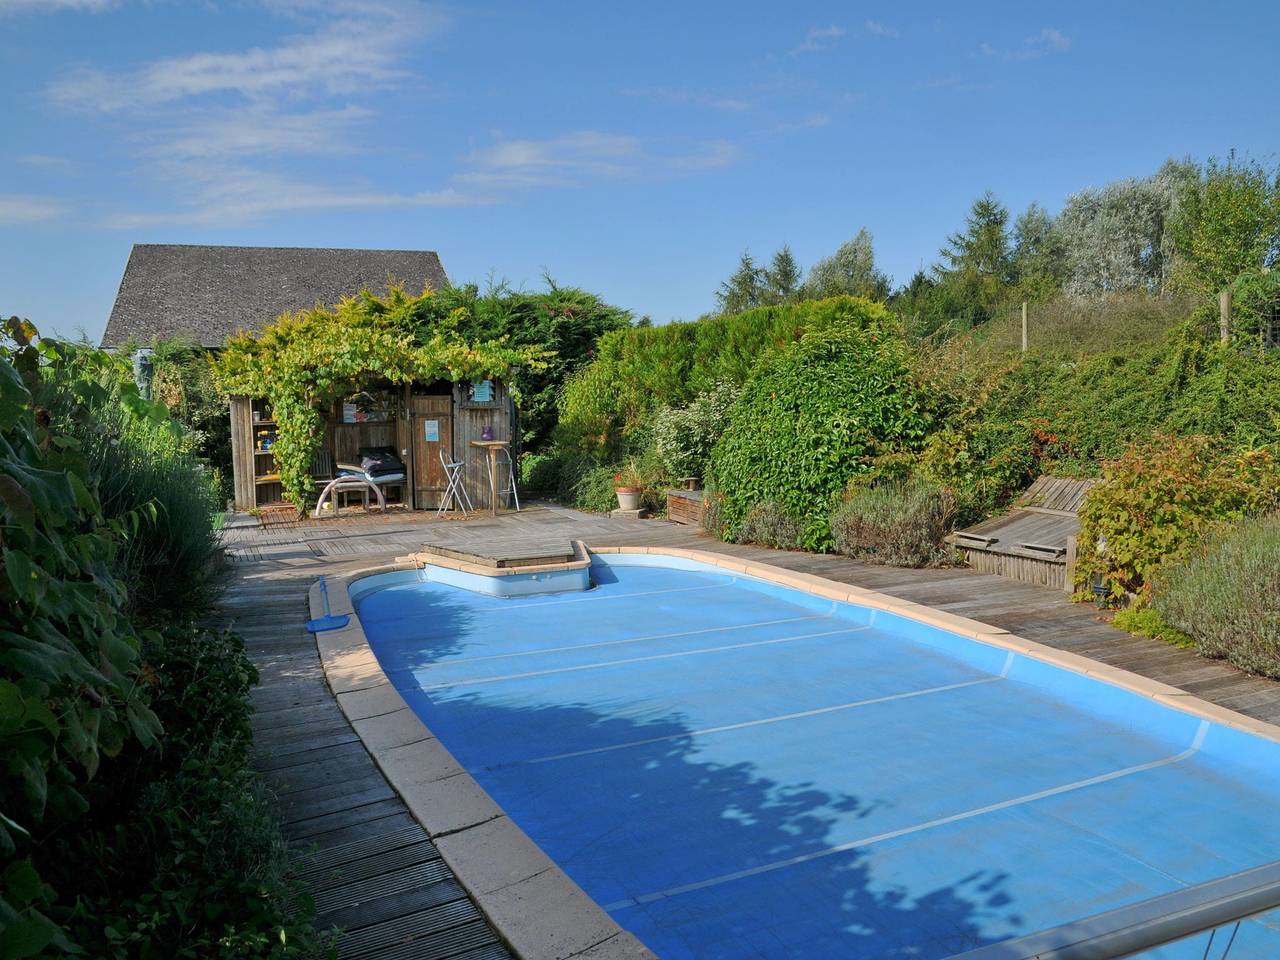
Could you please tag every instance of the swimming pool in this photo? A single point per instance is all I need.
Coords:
(734, 768)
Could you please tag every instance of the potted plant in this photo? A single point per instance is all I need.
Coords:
(628, 485)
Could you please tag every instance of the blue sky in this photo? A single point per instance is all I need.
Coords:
(635, 151)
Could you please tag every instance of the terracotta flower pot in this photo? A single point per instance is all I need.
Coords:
(628, 498)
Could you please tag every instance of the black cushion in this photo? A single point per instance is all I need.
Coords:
(379, 460)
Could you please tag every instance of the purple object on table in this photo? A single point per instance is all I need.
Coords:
(487, 432)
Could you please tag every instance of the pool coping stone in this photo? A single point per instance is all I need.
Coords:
(537, 909)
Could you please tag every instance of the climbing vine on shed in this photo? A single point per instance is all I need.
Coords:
(306, 361)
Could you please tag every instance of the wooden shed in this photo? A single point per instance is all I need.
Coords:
(418, 421)
(1033, 542)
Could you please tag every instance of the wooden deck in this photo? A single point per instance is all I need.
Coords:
(375, 874)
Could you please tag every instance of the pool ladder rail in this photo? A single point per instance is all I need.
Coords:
(1216, 908)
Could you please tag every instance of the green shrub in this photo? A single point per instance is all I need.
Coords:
(1159, 499)
(814, 415)
(540, 472)
(70, 690)
(768, 524)
(1144, 621)
(1226, 594)
(183, 381)
(685, 436)
(640, 370)
(137, 466)
(898, 523)
(132, 825)
(713, 513)
(984, 464)
(593, 490)
(206, 870)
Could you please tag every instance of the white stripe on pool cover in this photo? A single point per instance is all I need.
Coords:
(615, 596)
(800, 715)
(1196, 743)
(656, 656)
(652, 636)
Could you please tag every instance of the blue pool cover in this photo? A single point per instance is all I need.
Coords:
(735, 769)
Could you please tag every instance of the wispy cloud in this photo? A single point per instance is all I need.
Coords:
(690, 97)
(262, 130)
(1038, 45)
(881, 29)
(818, 38)
(25, 208)
(231, 197)
(708, 155)
(207, 125)
(587, 154)
(53, 6)
(44, 161)
(359, 48)
(953, 82)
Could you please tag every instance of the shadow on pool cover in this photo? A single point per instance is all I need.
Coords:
(825, 908)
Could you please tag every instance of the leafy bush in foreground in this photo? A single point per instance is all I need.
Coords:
(814, 415)
(898, 523)
(130, 823)
(1226, 595)
(1160, 498)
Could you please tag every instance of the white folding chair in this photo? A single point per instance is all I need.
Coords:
(504, 456)
(455, 490)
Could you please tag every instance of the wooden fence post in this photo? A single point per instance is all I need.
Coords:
(1070, 572)
(1024, 326)
(1224, 316)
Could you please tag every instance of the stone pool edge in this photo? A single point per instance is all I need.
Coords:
(535, 907)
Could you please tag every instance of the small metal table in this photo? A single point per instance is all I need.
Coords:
(491, 447)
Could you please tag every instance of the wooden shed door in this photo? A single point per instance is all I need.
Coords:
(431, 417)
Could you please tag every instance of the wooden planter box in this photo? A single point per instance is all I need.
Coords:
(685, 506)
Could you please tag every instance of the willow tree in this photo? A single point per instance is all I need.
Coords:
(306, 361)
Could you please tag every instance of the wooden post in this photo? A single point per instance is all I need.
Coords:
(1224, 316)
(1070, 585)
(1024, 326)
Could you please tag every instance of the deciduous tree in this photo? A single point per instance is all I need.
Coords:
(850, 270)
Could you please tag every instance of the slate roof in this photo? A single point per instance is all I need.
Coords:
(213, 292)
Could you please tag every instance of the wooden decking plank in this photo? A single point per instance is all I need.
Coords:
(404, 879)
(312, 808)
(406, 931)
(269, 763)
(391, 903)
(322, 773)
(455, 943)
(397, 820)
(344, 874)
(346, 817)
(349, 852)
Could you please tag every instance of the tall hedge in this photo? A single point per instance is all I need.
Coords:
(814, 414)
(639, 370)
